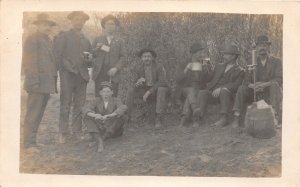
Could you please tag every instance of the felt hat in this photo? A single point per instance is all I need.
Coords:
(195, 47)
(80, 14)
(230, 49)
(109, 17)
(144, 50)
(105, 84)
(262, 39)
(44, 18)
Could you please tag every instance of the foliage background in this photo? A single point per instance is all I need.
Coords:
(171, 35)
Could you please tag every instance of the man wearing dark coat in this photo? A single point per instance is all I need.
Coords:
(70, 47)
(109, 54)
(225, 80)
(151, 85)
(40, 68)
(193, 79)
(268, 82)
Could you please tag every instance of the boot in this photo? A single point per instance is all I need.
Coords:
(62, 138)
(196, 121)
(222, 122)
(235, 124)
(183, 121)
(197, 112)
(158, 120)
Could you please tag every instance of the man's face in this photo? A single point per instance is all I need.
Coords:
(44, 28)
(262, 49)
(106, 93)
(110, 26)
(147, 58)
(78, 22)
(200, 55)
(228, 58)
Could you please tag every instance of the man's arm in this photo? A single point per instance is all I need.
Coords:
(121, 108)
(162, 79)
(59, 47)
(89, 109)
(232, 86)
(30, 61)
(122, 56)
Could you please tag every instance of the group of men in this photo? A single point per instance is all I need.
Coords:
(71, 54)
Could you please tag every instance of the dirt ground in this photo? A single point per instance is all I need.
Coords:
(142, 150)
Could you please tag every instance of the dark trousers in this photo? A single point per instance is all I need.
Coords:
(190, 103)
(102, 76)
(109, 129)
(205, 97)
(72, 91)
(36, 104)
(159, 97)
(272, 95)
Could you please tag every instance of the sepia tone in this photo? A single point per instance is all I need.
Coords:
(171, 151)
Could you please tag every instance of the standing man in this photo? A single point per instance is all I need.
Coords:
(151, 84)
(226, 79)
(268, 85)
(109, 53)
(40, 68)
(70, 47)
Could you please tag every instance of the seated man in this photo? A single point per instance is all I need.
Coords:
(104, 116)
(151, 84)
(195, 76)
(268, 83)
(226, 78)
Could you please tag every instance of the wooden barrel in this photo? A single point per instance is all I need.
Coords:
(260, 123)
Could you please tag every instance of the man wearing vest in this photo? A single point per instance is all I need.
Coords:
(151, 85)
(71, 47)
(109, 54)
(268, 82)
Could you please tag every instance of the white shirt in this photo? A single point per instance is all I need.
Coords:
(263, 62)
(109, 39)
(105, 104)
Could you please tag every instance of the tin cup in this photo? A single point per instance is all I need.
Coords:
(196, 66)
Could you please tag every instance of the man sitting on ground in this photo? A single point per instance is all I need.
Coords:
(104, 116)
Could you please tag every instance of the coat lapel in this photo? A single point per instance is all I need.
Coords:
(100, 105)
(110, 106)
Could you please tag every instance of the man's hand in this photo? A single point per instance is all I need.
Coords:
(112, 72)
(146, 95)
(98, 117)
(140, 81)
(112, 115)
(99, 45)
(188, 67)
(216, 92)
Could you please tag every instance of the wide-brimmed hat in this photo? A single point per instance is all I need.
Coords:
(80, 14)
(44, 18)
(145, 50)
(105, 84)
(195, 47)
(262, 39)
(109, 17)
(231, 49)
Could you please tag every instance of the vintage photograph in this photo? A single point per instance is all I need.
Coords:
(151, 94)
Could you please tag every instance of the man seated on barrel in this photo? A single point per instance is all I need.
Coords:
(194, 78)
(225, 80)
(104, 116)
(151, 85)
(268, 75)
